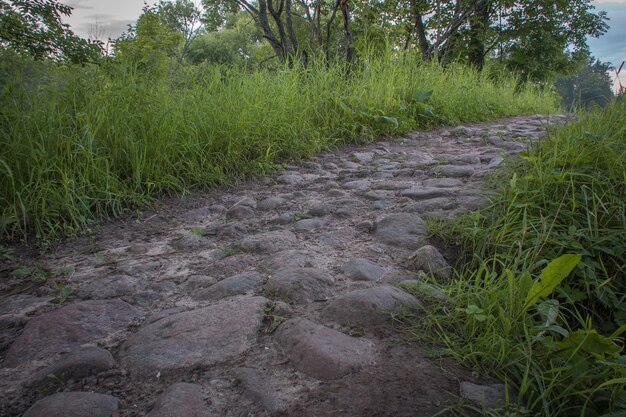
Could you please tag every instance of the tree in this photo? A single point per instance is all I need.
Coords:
(182, 16)
(216, 13)
(238, 43)
(150, 43)
(589, 86)
(34, 28)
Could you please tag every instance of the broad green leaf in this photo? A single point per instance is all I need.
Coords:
(551, 276)
(386, 119)
(588, 341)
(421, 96)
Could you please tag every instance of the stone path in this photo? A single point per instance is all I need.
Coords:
(269, 298)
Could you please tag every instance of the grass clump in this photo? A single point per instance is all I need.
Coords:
(82, 143)
(540, 302)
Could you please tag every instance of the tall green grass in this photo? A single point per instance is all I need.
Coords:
(563, 351)
(82, 143)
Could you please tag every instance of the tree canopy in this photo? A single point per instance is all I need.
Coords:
(35, 28)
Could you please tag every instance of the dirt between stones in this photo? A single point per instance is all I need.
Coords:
(260, 299)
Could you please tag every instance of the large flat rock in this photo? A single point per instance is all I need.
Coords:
(74, 404)
(269, 242)
(324, 353)
(201, 337)
(61, 330)
(405, 230)
(235, 285)
(301, 285)
(368, 307)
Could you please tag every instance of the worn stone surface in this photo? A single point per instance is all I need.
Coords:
(78, 363)
(306, 225)
(235, 285)
(289, 259)
(360, 269)
(300, 285)
(369, 307)
(202, 337)
(324, 353)
(271, 203)
(269, 242)
(113, 286)
(181, 399)
(488, 396)
(60, 330)
(430, 260)
(74, 404)
(256, 387)
(401, 229)
(453, 171)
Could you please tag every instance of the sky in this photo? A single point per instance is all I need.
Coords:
(104, 19)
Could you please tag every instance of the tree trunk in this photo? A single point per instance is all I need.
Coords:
(345, 11)
(479, 23)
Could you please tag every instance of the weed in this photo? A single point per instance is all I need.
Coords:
(539, 302)
(101, 140)
(273, 320)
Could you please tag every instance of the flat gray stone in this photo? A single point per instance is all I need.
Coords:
(334, 192)
(74, 404)
(324, 353)
(112, 286)
(258, 390)
(301, 285)
(453, 170)
(61, 330)
(322, 209)
(488, 396)
(430, 260)
(379, 195)
(240, 212)
(288, 259)
(78, 363)
(401, 229)
(269, 242)
(291, 179)
(181, 399)
(271, 203)
(425, 193)
(363, 157)
(22, 304)
(192, 242)
(471, 159)
(203, 337)
(433, 204)
(382, 204)
(358, 185)
(443, 182)
(306, 225)
(393, 185)
(368, 307)
(360, 269)
(197, 282)
(235, 285)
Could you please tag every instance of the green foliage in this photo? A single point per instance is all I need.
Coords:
(35, 28)
(104, 139)
(149, 45)
(238, 44)
(557, 337)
